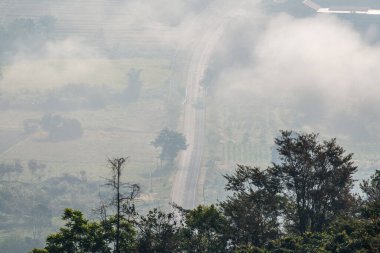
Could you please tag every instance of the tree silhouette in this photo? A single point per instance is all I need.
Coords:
(124, 195)
(171, 143)
(317, 179)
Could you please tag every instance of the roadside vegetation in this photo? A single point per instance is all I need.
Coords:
(302, 203)
(170, 142)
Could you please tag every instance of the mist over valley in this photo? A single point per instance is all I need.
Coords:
(85, 81)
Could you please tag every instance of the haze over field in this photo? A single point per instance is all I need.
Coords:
(85, 80)
(266, 54)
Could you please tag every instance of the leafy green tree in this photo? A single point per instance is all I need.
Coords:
(158, 233)
(39, 251)
(78, 235)
(249, 249)
(317, 180)
(354, 234)
(301, 203)
(370, 209)
(84, 236)
(205, 230)
(308, 242)
(254, 209)
(171, 143)
(127, 234)
(371, 187)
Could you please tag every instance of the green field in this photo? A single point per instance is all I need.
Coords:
(113, 131)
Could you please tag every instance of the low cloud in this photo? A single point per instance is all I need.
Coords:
(60, 63)
(321, 66)
(320, 69)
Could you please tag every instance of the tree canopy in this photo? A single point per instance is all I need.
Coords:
(170, 142)
(301, 203)
(316, 178)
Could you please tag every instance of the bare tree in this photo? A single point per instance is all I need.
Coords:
(123, 198)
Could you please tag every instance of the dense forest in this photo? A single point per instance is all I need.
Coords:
(302, 202)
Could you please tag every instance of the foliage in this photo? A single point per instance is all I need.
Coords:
(171, 143)
(317, 179)
(354, 235)
(39, 251)
(205, 230)
(78, 235)
(82, 235)
(371, 187)
(60, 128)
(249, 249)
(157, 232)
(122, 203)
(254, 209)
(300, 204)
(308, 242)
(344, 235)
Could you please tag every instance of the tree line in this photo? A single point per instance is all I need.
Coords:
(303, 202)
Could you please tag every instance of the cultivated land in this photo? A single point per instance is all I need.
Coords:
(116, 130)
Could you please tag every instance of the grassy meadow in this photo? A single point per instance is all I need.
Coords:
(113, 131)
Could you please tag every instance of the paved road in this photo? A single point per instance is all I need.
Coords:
(69, 23)
(185, 185)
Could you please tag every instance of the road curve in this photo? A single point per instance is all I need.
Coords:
(185, 184)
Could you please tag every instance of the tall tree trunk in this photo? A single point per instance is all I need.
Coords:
(119, 164)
